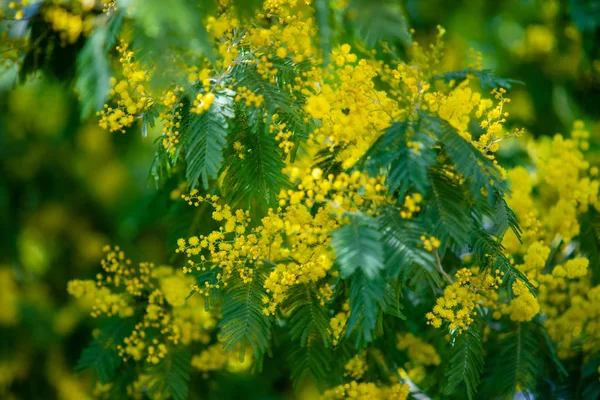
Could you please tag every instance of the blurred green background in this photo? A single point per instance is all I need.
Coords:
(67, 188)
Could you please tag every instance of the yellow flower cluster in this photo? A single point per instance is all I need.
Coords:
(411, 206)
(338, 324)
(419, 351)
(356, 367)
(202, 102)
(566, 187)
(352, 112)
(168, 318)
(215, 358)
(171, 119)
(430, 243)
(109, 5)
(131, 95)
(250, 98)
(291, 239)
(461, 299)
(70, 26)
(367, 390)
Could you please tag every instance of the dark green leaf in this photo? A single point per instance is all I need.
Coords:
(358, 245)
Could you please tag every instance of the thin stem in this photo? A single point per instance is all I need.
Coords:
(438, 263)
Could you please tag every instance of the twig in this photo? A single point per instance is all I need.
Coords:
(438, 262)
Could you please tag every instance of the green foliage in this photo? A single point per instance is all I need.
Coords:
(478, 170)
(93, 69)
(170, 378)
(486, 77)
(405, 167)
(322, 14)
(367, 298)
(257, 175)
(102, 356)
(466, 362)
(504, 218)
(379, 20)
(359, 252)
(358, 246)
(167, 30)
(310, 355)
(402, 240)
(448, 211)
(243, 321)
(489, 251)
(589, 385)
(205, 139)
(585, 14)
(514, 364)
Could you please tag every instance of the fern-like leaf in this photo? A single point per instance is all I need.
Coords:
(367, 298)
(205, 139)
(477, 169)
(515, 365)
(403, 245)
(93, 73)
(405, 168)
(447, 210)
(358, 245)
(102, 356)
(504, 218)
(171, 376)
(490, 251)
(312, 360)
(486, 77)
(306, 315)
(379, 20)
(308, 324)
(243, 321)
(258, 175)
(466, 362)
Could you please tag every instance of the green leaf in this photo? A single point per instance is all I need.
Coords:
(551, 350)
(486, 77)
(102, 356)
(311, 360)
(516, 364)
(393, 306)
(366, 301)
(358, 245)
(205, 139)
(171, 376)
(378, 20)
(93, 73)
(504, 218)
(306, 314)
(322, 14)
(175, 24)
(447, 210)
(243, 321)
(113, 29)
(403, 245)
(466, 362)
(478, 170)
(405, 168)
(585, 14)
(489, 250)
(210, 276)
(308, 324)
(589, 384)
(259, 174)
